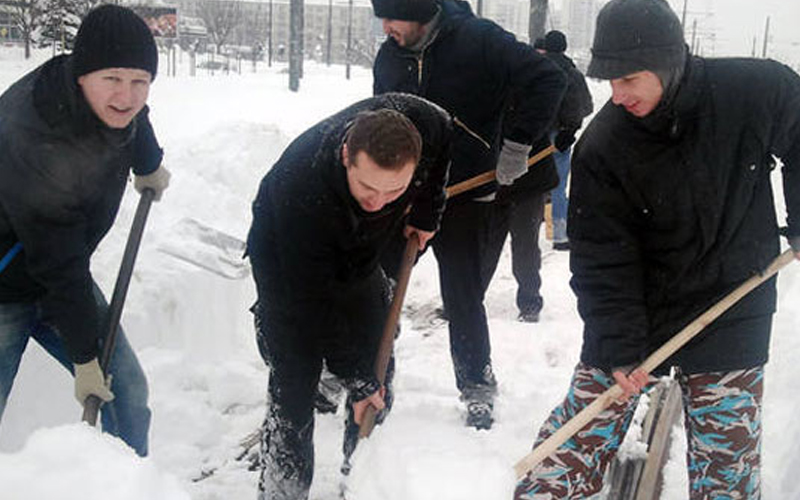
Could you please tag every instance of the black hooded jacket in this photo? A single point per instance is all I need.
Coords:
(670, 212)
(62, 176)
(472, 67)
(314, 249)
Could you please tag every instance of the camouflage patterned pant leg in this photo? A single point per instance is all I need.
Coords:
(723, 422)
(576, 470)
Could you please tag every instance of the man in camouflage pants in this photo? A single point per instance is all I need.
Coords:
(671, 207)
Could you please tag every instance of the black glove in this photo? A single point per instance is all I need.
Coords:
(564, 139)
(361, 388)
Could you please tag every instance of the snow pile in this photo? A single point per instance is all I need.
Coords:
(76, 462)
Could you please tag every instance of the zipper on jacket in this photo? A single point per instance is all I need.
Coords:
(420, 57)
(470, 132)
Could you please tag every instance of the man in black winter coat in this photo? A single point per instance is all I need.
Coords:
(322, 216)
(472, 68)
(671, 208)
(70, 131)
(576, 105)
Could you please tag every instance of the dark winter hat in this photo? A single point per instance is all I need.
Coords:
(420, 11)
(555, 41)
(111, 36)
(636, 35)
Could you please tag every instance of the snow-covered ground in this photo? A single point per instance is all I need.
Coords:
(194, 337)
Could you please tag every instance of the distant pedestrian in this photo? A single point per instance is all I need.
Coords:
(576, 105)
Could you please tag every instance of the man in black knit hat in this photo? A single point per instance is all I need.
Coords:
(70, 131)
(671, 208)
(474, 69)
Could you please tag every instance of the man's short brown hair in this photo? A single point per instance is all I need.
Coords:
(386, 136)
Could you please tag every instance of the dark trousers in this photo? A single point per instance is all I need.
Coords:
(467, 248)
(527, 213)
(295, 360)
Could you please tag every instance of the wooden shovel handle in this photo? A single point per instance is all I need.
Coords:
(680, 339)
(390, 328)
(487, 177)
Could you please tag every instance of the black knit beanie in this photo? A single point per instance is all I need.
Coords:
(420, 11)
(555, 41)
(111, 36)
(636, 35)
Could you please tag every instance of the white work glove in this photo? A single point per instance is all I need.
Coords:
(513, 162)
(89, 381)
(157, 181)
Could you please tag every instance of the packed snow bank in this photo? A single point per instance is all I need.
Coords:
(77, 462)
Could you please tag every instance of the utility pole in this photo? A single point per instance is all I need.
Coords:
(683, 16)
(329, 34)
(753, 52)
(766, 39)
(269, 37)
(479, 8)
(694, 34)
(349, 37)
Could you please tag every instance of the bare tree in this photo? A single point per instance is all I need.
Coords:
(221, 18)
(62, 19)
(295, 44)
(537, 20)
(28, 16)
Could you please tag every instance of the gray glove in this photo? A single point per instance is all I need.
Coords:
(89, 381)
(157, 181)
(513, 162)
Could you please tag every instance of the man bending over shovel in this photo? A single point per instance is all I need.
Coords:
(671, 208)
(322, 216)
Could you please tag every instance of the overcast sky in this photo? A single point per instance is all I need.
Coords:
(736, 22)
(727, 27)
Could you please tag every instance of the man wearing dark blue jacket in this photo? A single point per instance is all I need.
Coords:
(472, 68)
(70, 132)
(322, 216)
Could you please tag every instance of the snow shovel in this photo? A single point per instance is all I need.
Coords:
(92, 404)
(585, 416)
(404, 274)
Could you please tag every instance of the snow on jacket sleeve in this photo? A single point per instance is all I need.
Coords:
(786, 142)
(607, 265)
(538, 82)
(47, 218)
